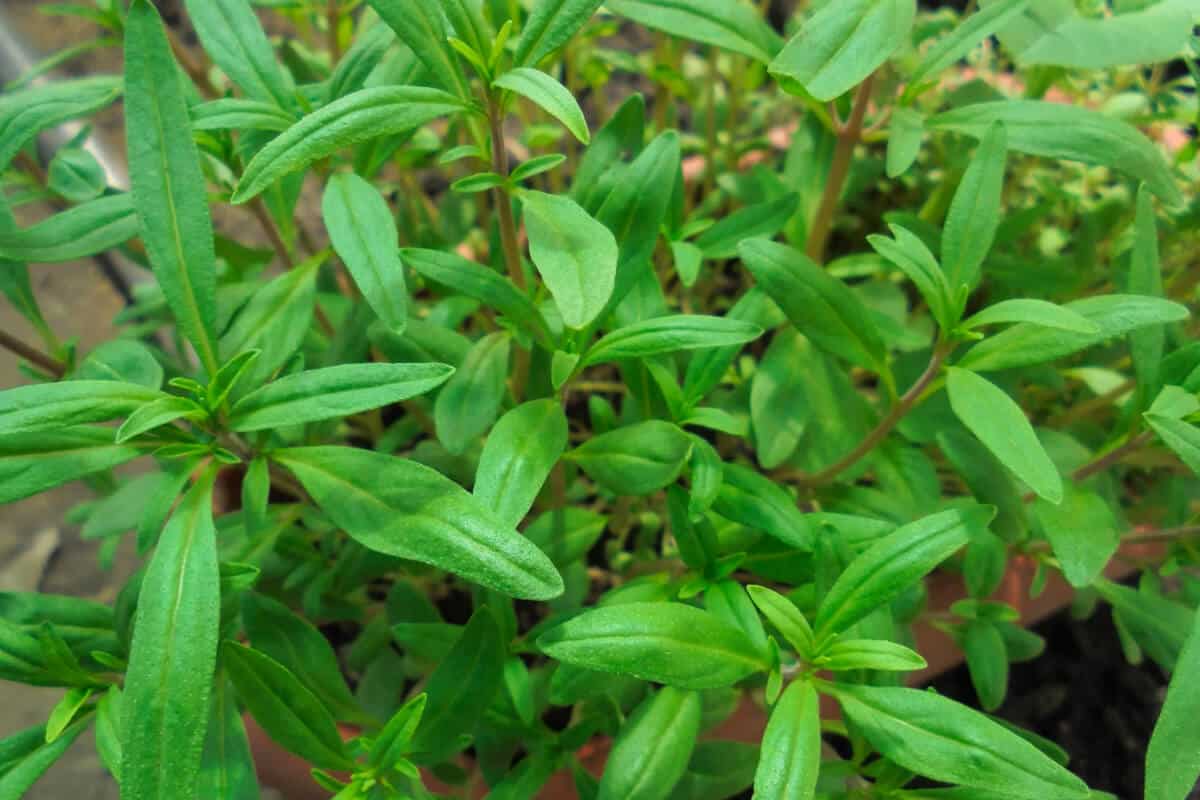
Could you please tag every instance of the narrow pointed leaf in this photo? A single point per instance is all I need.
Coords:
(550, 95)
(893, 564)
(165, 706)
(168, 187)
(998, 422)
(356, 118)
(651, 753)
(84, 230)
(667, 643)
(334, 392)
(364, 235)
(790, 759)
(1173, 760)
(520, 452)
(944, 740)
(575, 255)
(408, 510)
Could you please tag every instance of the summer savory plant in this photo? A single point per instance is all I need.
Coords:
(637, 363)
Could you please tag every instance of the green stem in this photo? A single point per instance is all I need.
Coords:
(886, 425)
(848, 137)
(508, 232)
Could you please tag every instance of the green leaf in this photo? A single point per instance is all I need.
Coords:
(966, 37)
(1070, 133)
(34, 462)
(998, 422)
(987, 661)
(944, 740)
(156, 414)
(1160, 625)
(688, 258)
(663, 335)
(421, 24)
(790, 759)
(567, 539)
(393, 741)
(475, 281)
(637, 206)
(842, 43)
(652, 750)
(30, 756)
(1083, 532)
(28, 112)
(274, 322)
(905, 136)
(1115, 315)
(914, 259)
(1172, 759)
(575, 255)
(408, 510)
(1034, 312)
(231, 113)
(719, 769)
(731, 25)
(518, 456)
(548, 94)
(121, 360)
(536, 166)
(1182, 437)
(82, 231)
(636, 459)
(168, 187)
(364, 235)
(299, 647)
(76, 175)
(706, 369)
(784, 616)
(356, 118)
(334, 392)
(759, 220)
(461, 687)
(227, 768)
(479, 182)
(1145, 277)
(871, 654)
(821, 307)
(289, 713)
(108, 733)
(164, 709)
(669, 643)
(551, 24)
(52, 406)
(1157, 33)
(974, 214)
(893, 564)
(468, 404)
(232, 36)
(752, 499)
(360, 61)
(779, 408)
(65, 711)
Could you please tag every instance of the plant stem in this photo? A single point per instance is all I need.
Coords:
(508, 232)
(32, 355)
(1111, 457)
(886, 425)
(848, 137)
(333, 21)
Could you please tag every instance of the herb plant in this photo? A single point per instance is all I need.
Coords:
(642, 362)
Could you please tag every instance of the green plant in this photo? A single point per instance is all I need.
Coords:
(717, 430)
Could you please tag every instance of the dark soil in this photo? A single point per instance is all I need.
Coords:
(1082, 694)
